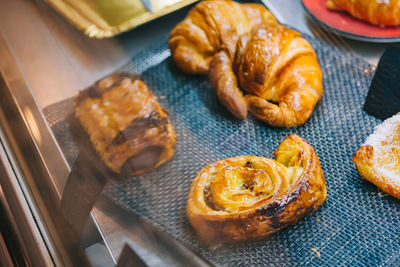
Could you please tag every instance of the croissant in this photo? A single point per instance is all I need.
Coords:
(378, 159)
(279, 71)
(126, 125)
(250, 197)
(208, 27)
(378, 12)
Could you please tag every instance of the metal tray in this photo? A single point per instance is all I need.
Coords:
(106, 18)
(355, 226)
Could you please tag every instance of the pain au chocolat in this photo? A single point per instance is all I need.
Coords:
(127, 126)
(378, 159)
(250, 197)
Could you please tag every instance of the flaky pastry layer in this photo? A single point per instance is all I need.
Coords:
(210, 26)
(277, 69)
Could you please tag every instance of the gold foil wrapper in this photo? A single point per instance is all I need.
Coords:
(106, 18)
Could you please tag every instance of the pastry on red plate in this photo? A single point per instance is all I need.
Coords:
(378, 12)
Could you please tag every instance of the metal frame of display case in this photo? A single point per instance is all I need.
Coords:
(28, 180)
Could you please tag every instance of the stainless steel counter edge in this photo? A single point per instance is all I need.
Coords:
(29, 145)
(33, 243)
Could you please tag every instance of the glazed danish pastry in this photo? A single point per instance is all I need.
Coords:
(279, 71)
(210, 26)
(126, 125)
(378, 12)
(250, 197)
(378, 159)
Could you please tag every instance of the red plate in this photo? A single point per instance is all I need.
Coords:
(346, 25)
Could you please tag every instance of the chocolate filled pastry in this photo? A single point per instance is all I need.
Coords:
(378, 12)
(378, 159)
(279, 71)
(127, 126)
(210, 26)
(250, 197)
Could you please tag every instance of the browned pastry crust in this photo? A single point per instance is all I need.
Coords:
(378, 12)
(242, 44)
(210, 26)
(126, 125)
(378, 159)
(279, 71)
(250, 197)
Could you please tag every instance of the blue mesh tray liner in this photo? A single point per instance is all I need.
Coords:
(356, 226)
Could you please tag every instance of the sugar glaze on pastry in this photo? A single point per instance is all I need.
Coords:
(378, 159)
(251, 197)
(126, 125)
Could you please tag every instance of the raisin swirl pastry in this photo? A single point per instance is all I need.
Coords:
(250, 197)
(378, 159)
(126, 125)
(210, 26)
(378, 12)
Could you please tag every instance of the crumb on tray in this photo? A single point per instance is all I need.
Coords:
(316, 252)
